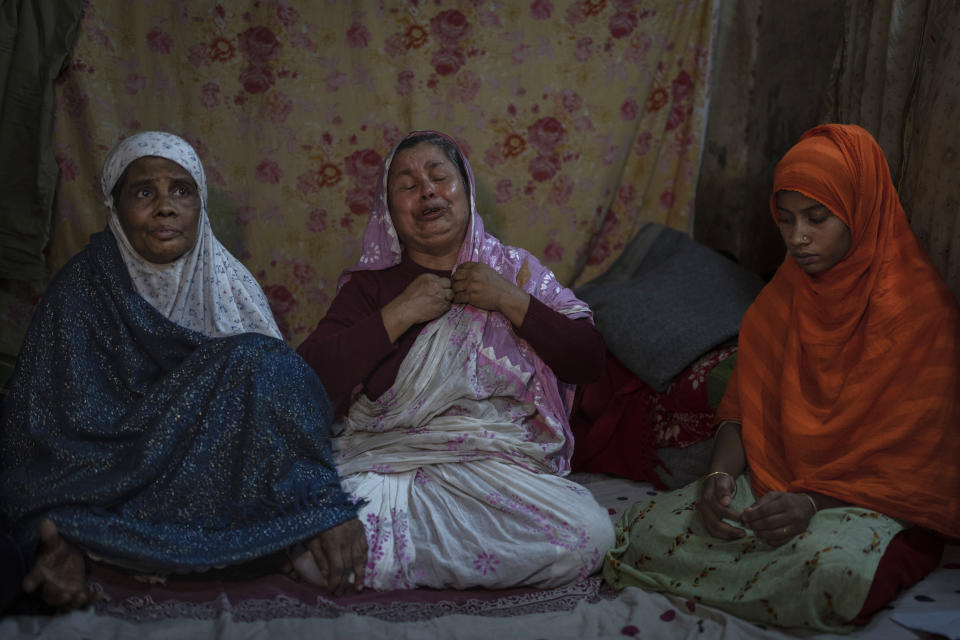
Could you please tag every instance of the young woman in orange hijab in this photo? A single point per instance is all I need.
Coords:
(836, 458)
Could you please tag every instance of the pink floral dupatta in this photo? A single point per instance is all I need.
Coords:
(466, 363)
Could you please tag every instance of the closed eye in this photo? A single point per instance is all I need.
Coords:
(817, 214)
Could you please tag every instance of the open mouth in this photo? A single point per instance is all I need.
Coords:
(433, 212)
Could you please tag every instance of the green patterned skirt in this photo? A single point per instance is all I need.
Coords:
(818, 580)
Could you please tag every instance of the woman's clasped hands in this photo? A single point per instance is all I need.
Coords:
(429, 296)
(426, 298)
(776, 518)
(479, 285)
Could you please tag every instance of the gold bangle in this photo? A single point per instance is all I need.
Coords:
(722, 473)
(812, 503)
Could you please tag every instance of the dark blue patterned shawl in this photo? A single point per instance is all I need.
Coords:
(153, 445)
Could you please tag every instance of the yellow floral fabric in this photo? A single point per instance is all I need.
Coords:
(819, 580)
(583, 119)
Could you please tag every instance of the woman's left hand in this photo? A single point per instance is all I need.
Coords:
(478, 284)
(778, 517)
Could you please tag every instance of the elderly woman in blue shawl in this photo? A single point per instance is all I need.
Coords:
(155, 420)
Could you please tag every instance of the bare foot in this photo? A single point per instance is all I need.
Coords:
(333, 560)
(59, 570)
(286, 568)
(304, 567)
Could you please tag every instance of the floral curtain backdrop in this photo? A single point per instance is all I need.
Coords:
(583, 120)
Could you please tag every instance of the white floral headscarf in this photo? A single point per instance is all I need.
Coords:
(206, 289)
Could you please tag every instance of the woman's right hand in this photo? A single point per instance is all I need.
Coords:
(716, 496)
(426, 298)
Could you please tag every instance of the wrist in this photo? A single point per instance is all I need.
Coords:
(522, 301)
(722, 474)
(718, 472)
(514, 304)
(724, 469)
(394, 318)
(714, 478)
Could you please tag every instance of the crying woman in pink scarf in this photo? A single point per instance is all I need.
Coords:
(453, 358)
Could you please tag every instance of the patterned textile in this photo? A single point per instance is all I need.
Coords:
(458, 398)
(585, 119)
(848, 383)
(206, 289)
(619, 422)
(278, 608)
(479, 523)
(818, 580)
(457, 459)
(276, 597)
(381, 250)
(155, 447)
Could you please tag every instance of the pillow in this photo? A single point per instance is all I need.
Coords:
(666, 301)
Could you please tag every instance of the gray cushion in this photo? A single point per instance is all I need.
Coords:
(667, 301)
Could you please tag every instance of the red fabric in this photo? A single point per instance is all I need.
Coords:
(848, 383)
(619, 422)
(611, 426)
(909, 557)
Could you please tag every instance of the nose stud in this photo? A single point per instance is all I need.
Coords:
(805, 238)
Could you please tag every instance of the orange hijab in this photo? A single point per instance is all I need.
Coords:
(848, 383)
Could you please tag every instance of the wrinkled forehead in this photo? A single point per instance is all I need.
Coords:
(425, 153)
(150, 168)
(152, 144)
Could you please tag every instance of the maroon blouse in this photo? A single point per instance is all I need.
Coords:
(350, 345)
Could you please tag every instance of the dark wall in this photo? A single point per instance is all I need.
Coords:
(772, 70)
